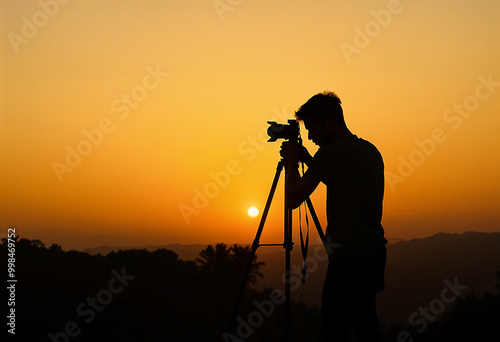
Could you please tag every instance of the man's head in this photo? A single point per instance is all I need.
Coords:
(323, 118)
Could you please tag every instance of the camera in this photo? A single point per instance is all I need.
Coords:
(290, 131)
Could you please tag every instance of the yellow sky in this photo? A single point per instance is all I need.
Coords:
(116, 115)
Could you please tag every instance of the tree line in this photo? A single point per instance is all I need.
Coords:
(137, 295)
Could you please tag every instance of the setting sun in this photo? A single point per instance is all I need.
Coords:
(252, 212)
(120, 140)
(135, 134)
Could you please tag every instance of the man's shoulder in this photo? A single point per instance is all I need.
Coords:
(367, 144)
(352, 149)
(346, 144)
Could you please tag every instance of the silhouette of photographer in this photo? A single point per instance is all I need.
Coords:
(353, 171)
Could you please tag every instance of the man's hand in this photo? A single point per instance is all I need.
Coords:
(293, 153)
(298, 189)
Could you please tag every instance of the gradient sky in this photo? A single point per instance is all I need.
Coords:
(180, 91)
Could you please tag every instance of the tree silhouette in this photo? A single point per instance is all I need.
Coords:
(175, 300)
(229, 263)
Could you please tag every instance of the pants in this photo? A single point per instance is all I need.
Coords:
(349, 297)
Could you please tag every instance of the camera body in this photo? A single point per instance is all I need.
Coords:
(290, 131)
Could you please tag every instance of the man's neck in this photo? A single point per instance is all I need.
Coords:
(345, 133)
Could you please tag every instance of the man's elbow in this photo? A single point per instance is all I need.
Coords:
(292, 202)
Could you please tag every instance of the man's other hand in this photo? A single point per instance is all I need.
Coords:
(293, 152)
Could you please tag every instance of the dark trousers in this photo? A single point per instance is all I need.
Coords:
(349, 297)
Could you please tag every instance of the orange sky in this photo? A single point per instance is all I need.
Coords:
(115, 114)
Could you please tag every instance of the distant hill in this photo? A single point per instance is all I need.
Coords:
(185, 252)
(417, 269)
(415, 275)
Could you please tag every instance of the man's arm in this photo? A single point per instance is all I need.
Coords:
(298, 189)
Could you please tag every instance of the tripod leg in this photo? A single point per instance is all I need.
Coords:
(288, 245)
(316, 223)
(255, 244)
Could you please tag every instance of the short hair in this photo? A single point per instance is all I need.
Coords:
(320, 107)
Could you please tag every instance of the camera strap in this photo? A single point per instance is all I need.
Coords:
(304, 246)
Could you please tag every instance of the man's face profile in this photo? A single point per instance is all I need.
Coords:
(317, 132)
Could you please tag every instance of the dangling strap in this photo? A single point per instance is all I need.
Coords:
(304, 246)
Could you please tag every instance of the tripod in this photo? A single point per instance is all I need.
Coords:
(287, 245)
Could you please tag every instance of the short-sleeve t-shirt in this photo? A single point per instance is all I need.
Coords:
(353, 171)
